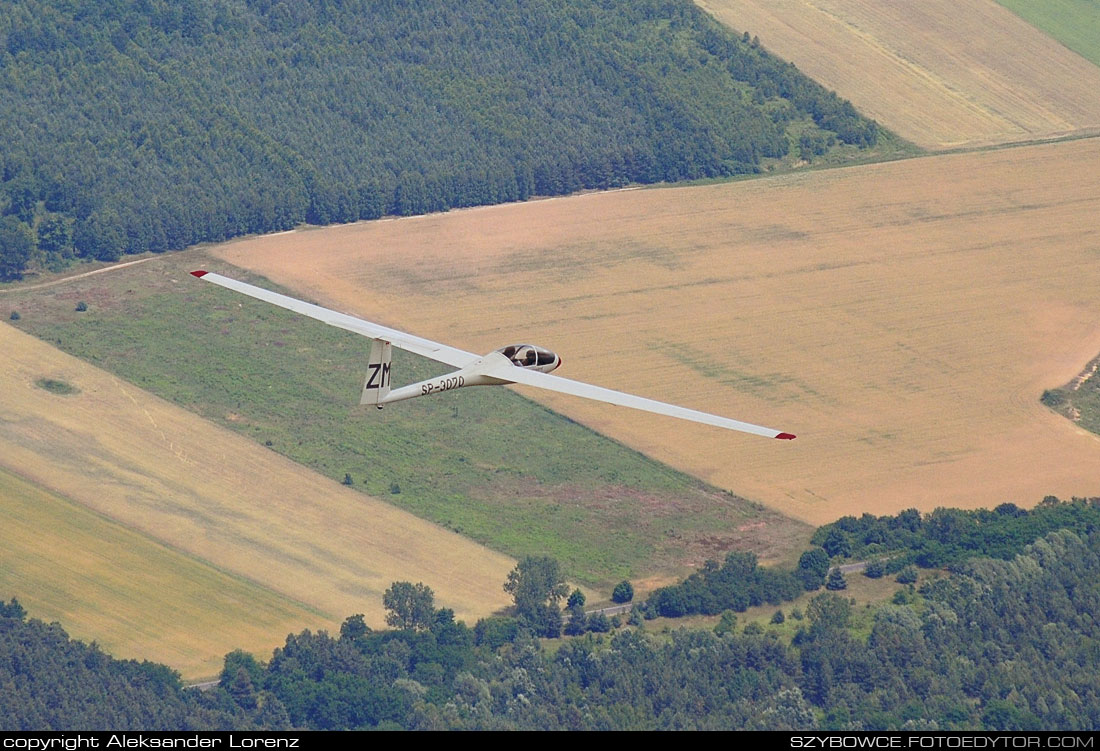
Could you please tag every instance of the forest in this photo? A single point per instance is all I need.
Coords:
(996, 644)
(149, 125)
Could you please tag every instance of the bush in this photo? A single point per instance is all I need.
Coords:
(813, 566)
(624, 592)
(578, 621)
(778, 617)
(837, 544)
(495, 631)
(836, 580)
(599, 623)
(15, 315)
(904, 596)
(875, 569)
(727, 624)
(907, 575)
(81, 306)
(1053, 398)
(55, 386)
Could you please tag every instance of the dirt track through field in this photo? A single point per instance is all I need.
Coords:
(224, 500)
(940, 73)
(903, 319)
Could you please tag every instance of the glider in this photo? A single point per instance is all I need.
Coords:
(524, 364)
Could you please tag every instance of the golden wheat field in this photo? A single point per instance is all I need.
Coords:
(303, 550)
(135, 597)
(903, 319)
(940, 73)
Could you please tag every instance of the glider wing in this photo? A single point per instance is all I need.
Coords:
(599, 393)
(424, 347)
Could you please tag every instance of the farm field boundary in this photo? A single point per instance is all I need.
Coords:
(1074, 23)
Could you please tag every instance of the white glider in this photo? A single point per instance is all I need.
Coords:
(524, 364)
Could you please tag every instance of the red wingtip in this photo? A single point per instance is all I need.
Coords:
(200, 273)
(785, 436)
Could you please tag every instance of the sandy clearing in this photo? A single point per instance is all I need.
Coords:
(902, 318)
(940, 73)
(214, 495)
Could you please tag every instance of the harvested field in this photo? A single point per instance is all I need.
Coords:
(937, 72)
(903, 319)
(135, 597)
(224, 500)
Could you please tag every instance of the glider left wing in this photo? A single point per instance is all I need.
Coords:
(424, 347)
(599, 393)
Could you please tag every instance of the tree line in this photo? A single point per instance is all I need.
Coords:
(948, 536)
(997, 645)
(888, 544)
(151, 125)
(51, 682)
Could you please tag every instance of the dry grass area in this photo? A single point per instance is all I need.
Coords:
(176, 479)
(135, 597)
(903, 319)
(938, 72)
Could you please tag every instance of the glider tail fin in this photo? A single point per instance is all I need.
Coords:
(377, 386)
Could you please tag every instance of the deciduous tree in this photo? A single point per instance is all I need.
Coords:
(409, 606)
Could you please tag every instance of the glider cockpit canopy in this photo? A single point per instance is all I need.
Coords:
(530, 356)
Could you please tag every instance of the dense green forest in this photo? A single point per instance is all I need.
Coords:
(146, 125)
(998, 645)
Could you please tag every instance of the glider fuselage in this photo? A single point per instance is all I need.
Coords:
(479, 373)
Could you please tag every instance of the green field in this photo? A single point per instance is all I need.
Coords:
(134, 596)
(1074, 23)
(484, 462)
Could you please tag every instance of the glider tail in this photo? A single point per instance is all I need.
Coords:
(377, 386)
